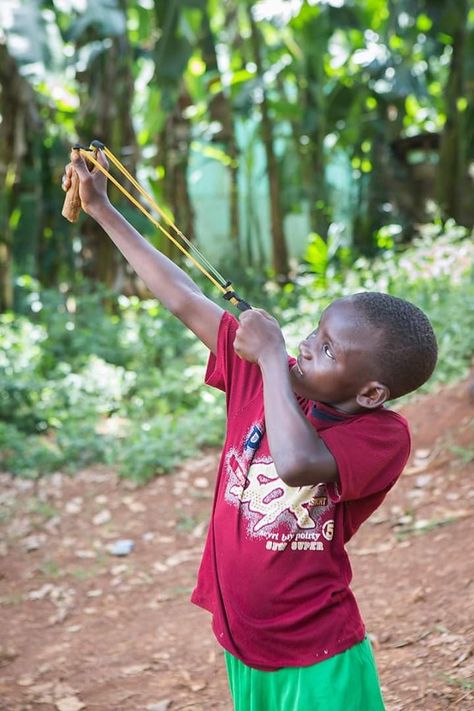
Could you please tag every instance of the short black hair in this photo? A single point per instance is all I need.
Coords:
(407, 350)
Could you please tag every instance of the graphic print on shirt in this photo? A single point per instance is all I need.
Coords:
(282, 515)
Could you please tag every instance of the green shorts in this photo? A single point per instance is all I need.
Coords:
(346, 682)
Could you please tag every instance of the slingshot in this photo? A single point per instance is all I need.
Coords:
(72, 207)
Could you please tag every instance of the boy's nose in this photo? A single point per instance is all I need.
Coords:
(305, 350)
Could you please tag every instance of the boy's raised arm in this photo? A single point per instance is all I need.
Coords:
(170, 284)
(307, 461)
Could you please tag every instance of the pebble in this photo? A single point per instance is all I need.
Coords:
(160, 706)
(34, 541)
(102, 517)
(201, 483)
(121, 547)
(74, 506)
(119, 569)
(423, 480)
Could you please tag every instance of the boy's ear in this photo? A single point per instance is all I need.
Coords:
(373, 395)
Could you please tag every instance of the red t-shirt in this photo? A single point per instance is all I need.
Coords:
(274, 573)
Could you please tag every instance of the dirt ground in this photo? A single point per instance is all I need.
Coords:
(82, 628)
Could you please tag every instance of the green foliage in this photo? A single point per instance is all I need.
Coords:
(80, 385)
(81, 444)
(19, 359)
(27, 456)
(162, 442)
(325, 258)
(125, 387)
(340, 78)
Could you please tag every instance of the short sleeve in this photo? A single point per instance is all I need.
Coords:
(239, 379)
(370, 452)
(217, 372)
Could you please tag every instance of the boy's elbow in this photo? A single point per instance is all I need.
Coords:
(296, 473)
(295, 480)
(184, 301)
(308, 473)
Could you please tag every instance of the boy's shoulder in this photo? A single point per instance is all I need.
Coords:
(387, 415)
(381, 414)
(371, 450)
(384, 419)
(382, 429)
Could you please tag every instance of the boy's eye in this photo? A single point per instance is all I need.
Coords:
(328, 352)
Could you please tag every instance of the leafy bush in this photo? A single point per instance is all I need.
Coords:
(70, 370)
(157, 445)
(28, 456)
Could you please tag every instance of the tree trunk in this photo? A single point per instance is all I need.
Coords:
(18, 128)
(279, 251)
(171, 54)
(220, 110)
(314, 162)
(107, 96)
(174, 143)
(451, 177)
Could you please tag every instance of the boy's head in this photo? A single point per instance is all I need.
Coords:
(405, 349)
(368, 348)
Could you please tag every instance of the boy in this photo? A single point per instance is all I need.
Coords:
(310, 453)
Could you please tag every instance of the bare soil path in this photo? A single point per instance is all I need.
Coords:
(81, 628)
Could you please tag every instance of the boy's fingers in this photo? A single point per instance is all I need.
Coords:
(66, 179)
(250, 314)
(254, 315)
(78, 163)
(100, 157)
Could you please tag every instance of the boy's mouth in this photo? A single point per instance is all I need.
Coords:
(298, 368)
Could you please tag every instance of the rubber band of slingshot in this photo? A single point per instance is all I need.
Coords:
(219, 284)
(199, 260)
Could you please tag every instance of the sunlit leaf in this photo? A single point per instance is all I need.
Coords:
(424, 23)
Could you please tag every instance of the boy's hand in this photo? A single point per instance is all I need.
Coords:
(92, 183)
(258, 336)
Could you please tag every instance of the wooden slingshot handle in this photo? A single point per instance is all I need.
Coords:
(72, 201)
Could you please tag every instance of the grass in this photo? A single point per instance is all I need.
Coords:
(464, 684)
(464, 454)
(51, 569)
(42, 508)
(425, 527)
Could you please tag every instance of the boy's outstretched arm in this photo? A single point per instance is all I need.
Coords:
(300, 456)
(170, 284)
